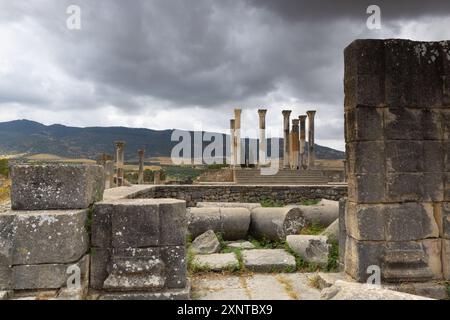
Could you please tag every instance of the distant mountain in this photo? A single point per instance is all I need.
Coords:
(24, 136)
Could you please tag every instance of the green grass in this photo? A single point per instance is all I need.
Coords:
(266, 244)
(309, 202)
(313, 229)
(333, 257)
(269, 203)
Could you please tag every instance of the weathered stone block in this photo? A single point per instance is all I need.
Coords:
(343, 203)
(410, 221)
(366, 157)
(433, 186)
(364, 57)
(100, 261)
(135, 223)
(365, 222)
(101, 225)
(206, 243)
(134, 269)
(217, 262)
(366, 188)
(446, 186)
(174, 258)
(391, 222)
(268, 260)
(404, 187)
(412, 261)
(359, 255)
(432, 125)
(433, 156)
(313, 249)
(171, 294)
(235, 223)
(403, 124)
(444, 216)
(44, 187)
(364, 90)
(46, 237)
(446, 258)
(173, 221)
(404, 156)
(201, 220)
(45, 276)
(364, 124)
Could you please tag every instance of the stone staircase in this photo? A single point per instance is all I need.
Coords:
(283, 177)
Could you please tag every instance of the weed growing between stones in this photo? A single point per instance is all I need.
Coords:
(309, 202)
(88, 224)
(269, 203)
(333, 257)
(314, 282)
(266, 244)
(312, 229)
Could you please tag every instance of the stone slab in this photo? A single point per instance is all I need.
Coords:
(44, 237)
(169, 294)
(241, 245)
(268, 260)
(45, 276)
(313, 249)
(267, 287)
(56, 186)
(343, 290)
(216, 262)
(139, 223)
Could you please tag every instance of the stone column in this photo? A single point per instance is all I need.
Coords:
(295, 144)
(141, 166)
(157, 177)
(232, 143)
(311, 152)
(286, 153)
(302, 160)
(262, 137)
(237, 134)
(120, 159)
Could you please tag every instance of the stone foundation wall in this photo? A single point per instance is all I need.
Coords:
(243, 193)
(397, 115)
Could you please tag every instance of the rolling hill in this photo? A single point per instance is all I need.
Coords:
(29, 137)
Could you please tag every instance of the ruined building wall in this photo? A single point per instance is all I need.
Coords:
(397, 128)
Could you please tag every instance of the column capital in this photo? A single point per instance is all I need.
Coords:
(120, 143)
(141, 152)
(295, 122)
(232, 123)
(286, 113)
(302, 118)
(237, 111)
(262, 112)
(311, 113)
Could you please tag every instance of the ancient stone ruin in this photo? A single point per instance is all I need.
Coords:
(397, 113)
(68, 238)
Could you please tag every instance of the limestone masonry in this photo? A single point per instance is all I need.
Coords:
(397, 115)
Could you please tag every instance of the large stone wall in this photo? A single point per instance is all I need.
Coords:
(397, 114)
(243, 193)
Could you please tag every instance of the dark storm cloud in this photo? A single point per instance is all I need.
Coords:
(176, 54)
(351, 9)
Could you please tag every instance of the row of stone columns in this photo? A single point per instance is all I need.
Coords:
(294, 140)
(119, 167)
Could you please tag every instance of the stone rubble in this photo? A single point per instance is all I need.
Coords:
(206, 243)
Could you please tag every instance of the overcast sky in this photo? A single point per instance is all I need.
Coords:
(185, 64)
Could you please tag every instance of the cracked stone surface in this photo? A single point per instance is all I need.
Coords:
(281, 286)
